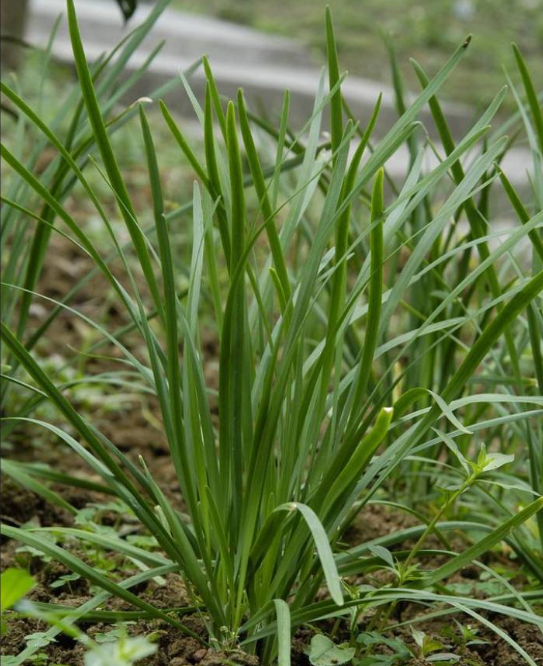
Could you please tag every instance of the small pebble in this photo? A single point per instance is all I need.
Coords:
(199, 655)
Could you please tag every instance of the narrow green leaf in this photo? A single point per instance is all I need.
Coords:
(183, 144)
(359, 459)
(336, 108)
(262, 192)
(533, 102)
(283, 631)
(108, 156)
(375, 294)
(323, 548)
(474, 552)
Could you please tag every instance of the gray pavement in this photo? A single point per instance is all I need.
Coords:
(264, 65)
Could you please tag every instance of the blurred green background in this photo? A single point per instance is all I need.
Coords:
(428, 30)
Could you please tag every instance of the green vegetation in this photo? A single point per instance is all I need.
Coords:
(15, 584)
(427, 30)
(379, 344)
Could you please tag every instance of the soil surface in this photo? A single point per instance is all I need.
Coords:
(175, 649)
(134, 426)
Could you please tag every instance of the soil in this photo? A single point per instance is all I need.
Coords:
(135, 429)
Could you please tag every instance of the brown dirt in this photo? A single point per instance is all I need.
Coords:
(174, 649)
(177, 650)
(19, 506)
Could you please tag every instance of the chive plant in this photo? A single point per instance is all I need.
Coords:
(372, 339)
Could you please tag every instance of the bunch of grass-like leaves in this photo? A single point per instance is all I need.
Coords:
(32, 132)
(370, 334)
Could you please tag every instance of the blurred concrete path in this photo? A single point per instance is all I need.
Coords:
(263, 65)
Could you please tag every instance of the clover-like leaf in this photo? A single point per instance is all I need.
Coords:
(15, 583)
(125, 652)
(497, 460)
(382, 553)
(324, 652)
